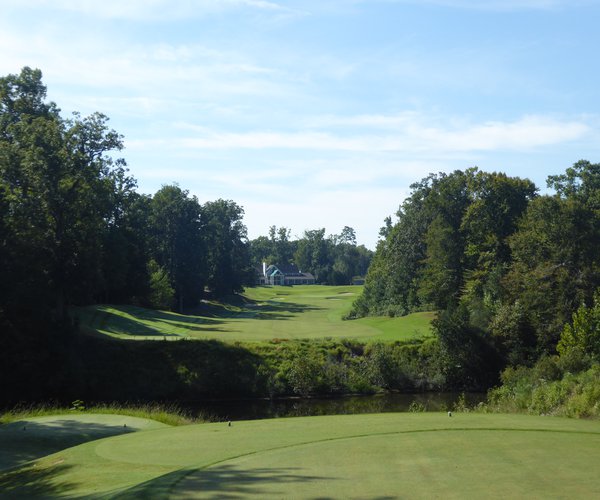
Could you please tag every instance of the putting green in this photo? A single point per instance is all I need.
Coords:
(350, 456)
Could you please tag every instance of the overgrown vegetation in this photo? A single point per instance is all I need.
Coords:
(108, 370)
(567, 384)
(547, 389)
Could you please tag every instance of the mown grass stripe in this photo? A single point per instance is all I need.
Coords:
(189, 472)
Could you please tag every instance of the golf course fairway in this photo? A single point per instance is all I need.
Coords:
(391, 455)
(261, 314)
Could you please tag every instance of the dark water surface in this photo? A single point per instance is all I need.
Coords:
(302, 407)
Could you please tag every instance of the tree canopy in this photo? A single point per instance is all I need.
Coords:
(498, 261)
(74, 230)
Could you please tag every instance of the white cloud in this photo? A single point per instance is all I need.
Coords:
(149, 10)
(418, 135)
(524, 134)
(149, 76)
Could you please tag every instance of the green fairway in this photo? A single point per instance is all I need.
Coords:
(398, 455)
(263, 313)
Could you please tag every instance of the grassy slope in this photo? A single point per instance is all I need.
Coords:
(263, 314)
(357, 456)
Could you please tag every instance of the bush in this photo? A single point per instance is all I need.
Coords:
(162, 294)
(532, 390)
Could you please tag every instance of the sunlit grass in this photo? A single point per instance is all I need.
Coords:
(261, 314)
(413, 455)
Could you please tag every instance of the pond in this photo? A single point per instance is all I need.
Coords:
(251, 409)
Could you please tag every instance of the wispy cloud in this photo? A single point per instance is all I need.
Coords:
(408, 135)
(495, 5)
(151, 10)
(138, 78)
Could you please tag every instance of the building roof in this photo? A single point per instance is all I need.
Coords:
(288, 270)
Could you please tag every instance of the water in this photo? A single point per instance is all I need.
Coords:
(302, 407)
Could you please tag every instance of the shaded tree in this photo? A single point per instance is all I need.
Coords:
(57, 178)
(126, 244)
(228, 256)
(177, 242)
(313, 254)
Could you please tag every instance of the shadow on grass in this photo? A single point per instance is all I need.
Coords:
(208, 317)
(23, 441)
(168, 317)
(225, 481)
(35, 481)
(244, 308)
(164, 321)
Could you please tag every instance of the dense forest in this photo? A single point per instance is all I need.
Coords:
(512, 273)
(75, 230)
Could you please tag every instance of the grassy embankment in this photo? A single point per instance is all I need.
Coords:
(261, 314)
(358, 456)
(272, 341)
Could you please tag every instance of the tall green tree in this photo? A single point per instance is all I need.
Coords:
(282, 247)
(349, 259)
(126, 244)
(313, 254)
(555, 264)
(177, 242)
(57, 180)
(226, 241)
(497, 204)
(581, 336)
(443, 273)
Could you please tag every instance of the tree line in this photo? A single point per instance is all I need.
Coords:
(505, 267)
(335, 259)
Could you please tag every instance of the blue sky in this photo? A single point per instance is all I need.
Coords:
(321, 113)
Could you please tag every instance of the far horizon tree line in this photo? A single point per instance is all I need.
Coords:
(334, 259)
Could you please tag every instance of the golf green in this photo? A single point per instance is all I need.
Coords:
(396, 455)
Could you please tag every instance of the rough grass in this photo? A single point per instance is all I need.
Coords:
(168, 415)
(261, 314)
(424, 455)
